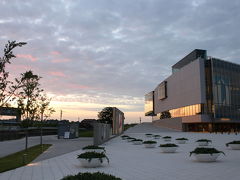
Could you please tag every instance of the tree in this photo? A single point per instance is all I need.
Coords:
(7, 87)
(106, 115)
(165, 114)
(44, 110)
(28, 99)
(29, 95)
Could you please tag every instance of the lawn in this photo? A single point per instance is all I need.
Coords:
(86, 133)
(16, 160)
(126, 126)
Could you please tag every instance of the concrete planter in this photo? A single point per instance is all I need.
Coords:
(234, 146)
(156, 137)
(129, 140)
(181, 141)
(137, 142)
(150, 145)
(203, 143)
(206, 157)
(94, 150)
(95, 162)
(149, 135)
(167, 139)
(168, 149)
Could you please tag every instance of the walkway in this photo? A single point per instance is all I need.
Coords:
(130, 162)
(59, 146)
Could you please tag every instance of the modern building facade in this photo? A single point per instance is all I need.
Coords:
(202, 94)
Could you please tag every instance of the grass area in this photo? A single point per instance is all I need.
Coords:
(16, 160)
(126, 126)
(86, 133)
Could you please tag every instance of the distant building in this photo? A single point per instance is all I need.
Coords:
(202, 94)
(9, 111)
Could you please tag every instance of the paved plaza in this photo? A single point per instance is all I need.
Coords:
(134, 162)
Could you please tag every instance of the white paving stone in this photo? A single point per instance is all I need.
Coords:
(132, 162)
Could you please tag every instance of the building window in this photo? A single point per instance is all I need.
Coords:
(162, 90)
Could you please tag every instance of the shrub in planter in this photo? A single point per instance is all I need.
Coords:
(124, 137)
(206, 154)
(156, 136)
(91, 176)
(130, 139)
(167, 138)
(181, 140)
(148, 135)
(150, 144)
(92, 159)
(234, 145)
(203, 142)
(168, 148)
(93, 148)
(137, 141)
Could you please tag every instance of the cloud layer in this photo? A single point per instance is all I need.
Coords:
(112, 52)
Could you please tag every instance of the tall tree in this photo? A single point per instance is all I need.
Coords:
(106, 115)
(7, 87)
(29, 95)
(28, 99)
(45, 111)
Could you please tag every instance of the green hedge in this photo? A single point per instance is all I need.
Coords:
(91, 176)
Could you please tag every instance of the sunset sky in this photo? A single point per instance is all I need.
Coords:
(97, 53)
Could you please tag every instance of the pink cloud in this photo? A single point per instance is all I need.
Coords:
(60, 60)
(55, 53)
(78, 86)
(27, 56)
(57, 73)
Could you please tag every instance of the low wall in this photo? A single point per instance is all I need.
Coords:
(171, 123)
(101, 133)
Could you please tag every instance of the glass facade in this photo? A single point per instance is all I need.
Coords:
(186, 111)
(226, 89)
(149, 104)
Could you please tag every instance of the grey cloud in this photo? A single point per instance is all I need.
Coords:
(121, 48)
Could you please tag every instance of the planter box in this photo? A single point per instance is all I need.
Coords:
(94, 150)
(137, 142)
(206, 157)
(204, 143)
(124, 138)
(95, 162)
(156, 137)
(167, 139)
(168, 149)
(234, 146)
(181, 141)
(129, 140)
(150, 145)
(149, 136)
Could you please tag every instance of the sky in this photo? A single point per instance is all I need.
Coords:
(97, 53)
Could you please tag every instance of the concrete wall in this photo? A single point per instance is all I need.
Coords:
(101, 133)
(172, 123)
(118, 121)
(185, 87)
